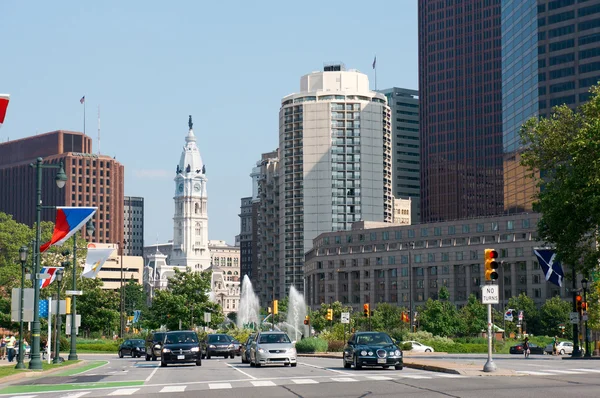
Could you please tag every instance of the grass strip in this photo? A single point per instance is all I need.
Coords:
(20, 389)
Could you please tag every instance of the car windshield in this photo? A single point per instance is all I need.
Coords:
(137, 342)
(174, 338)
(159, 336)
(219, 338)
(373, 339)
(274, 338)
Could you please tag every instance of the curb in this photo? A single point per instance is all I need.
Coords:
(433, 368)
(35, 373)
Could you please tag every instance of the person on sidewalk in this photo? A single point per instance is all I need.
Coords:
(554, 345)
(526, 350)
(3, 347)
(10, 347)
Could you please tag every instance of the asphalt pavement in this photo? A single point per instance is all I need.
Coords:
(536, 377)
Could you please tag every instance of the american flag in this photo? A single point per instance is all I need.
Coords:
(82, 100)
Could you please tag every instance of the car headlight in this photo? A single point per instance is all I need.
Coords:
(291, 350)
(166, 350)
(157, 346)
(262, 350)
(363, 353)
(195, 349)
(230, 346)
(212, 346)
(398, 353)
(370, 353)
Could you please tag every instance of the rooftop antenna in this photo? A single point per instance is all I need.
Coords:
(98, 129)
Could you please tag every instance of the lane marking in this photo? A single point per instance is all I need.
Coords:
(416, 377)
(566, 372)
(343, 379)
(76, 395)
(173, 389)
(263, 383)
(588, 370)
(24, 396)
(242, 372)
(219, 386)
(124, 391)
(450, 376)
(151, 374)
(533, 373)
(94, 368)
(324, 368)
(379, 378)
(305, 381)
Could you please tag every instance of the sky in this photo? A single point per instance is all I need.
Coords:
(149, 64)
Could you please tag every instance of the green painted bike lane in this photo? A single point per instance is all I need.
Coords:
(33, 388)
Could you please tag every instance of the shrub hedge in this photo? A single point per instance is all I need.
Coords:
(311, 345)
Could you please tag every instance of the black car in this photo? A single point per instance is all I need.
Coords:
(133, 347)
(245, 349)
(218, 345)
(533, 349)
(372, 349)
(154, 342)
(180, 346)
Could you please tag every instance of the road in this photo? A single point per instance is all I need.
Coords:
(313, 377)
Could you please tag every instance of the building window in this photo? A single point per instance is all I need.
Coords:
(419, 271)
(385, 235)
(437, 231)
(398, 234)
(480, 228)
(466, 228)
(451, 230)
(424, 232)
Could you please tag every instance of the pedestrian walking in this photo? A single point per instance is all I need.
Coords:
(3, 347)
(10, 347)
(555, 345)
(526, 350)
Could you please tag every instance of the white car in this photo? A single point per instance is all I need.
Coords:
(418, 347)
(562, 348)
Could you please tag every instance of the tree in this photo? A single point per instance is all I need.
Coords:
(553, 313)
(566, 148)
(440, 317)
(473, 317)
(98, 307)
(387, 317)
(135, 297)
(531, 315)
(317, 317)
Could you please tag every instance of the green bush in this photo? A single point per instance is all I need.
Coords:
(240, 335)
(406, 346)
(98, 347)
(310, 345)
(336, 346)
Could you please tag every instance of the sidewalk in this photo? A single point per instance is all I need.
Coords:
(420, 361)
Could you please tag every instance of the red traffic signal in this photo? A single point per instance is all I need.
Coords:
(491, 265)
(366, 311)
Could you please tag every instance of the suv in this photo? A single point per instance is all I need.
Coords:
(154, 342)
(218, 344)
(180, 346)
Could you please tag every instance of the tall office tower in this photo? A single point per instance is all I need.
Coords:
(93, 180)
(246, 237)
(550, 56)
(460, 103)
(266, 279)
(335, 162)
(190, 222)
(406, 180)
(134, 226)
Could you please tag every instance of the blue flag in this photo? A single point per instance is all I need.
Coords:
(553, 271)
(136, 316)
(43, 308)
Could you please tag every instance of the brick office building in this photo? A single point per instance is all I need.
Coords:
(93, 180)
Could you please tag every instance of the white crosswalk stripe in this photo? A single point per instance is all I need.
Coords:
(76, 394)
(379, 378)
(263, 383)
(587, 370)
(343, 379)
(533, 373)
(566, 372)
(173, 389)
(416, 377)
(305, 381)
(219, 386)
(124, 391)
(449, 375)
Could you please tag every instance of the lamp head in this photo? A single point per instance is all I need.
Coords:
(23, 253)
(89, 227)
(59, 274)
(61, 177)
(584, 283)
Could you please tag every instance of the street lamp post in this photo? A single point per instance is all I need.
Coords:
(61, 178)
(584, 284)
(73, 350)
(122, 247)
(23, 259)
(410, 286)
(59, 276)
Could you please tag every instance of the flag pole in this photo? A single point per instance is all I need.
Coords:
(84, 115)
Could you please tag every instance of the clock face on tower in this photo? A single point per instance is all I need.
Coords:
(197, 187)
(180, 188)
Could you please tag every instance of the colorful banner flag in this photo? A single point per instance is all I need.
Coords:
(43, 308)
(4, 100)
(68, 221)
(94, 261)
(550, 265)
(136, 316)
(52, 272)
(82, 100)
(508, 315)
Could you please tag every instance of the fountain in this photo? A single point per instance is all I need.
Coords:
(249, 308)
(295, 314)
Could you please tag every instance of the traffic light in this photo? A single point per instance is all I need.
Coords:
(405, 317)
(583, 306)
(491, 265)
(366, 311)
(579, 303)
(329, 316)
(306, 320)
(275, 307)
(269, 310)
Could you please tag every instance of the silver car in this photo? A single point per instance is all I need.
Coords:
(272, 347)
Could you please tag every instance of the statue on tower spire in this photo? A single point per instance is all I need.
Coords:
(190, 122)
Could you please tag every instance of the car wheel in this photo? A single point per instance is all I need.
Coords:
(294, 365)
(163, 364)
(153, 357)
(385, 367)
(357, 366)
(120, 354)
(428, 350)
(147, 357)
(346, 364)
(203, 356)
(252, 364)
(286, 364)
(198, 363)
(398, 367)
(562, 352)
(207, 356)
(232, 356)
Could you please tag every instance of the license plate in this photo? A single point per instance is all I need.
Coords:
(180, 356)
(381, 360)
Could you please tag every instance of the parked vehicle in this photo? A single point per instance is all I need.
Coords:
(237, 347)
(372, 349)
(180, 346)
(533, 349)
(272, 347)
(218, 345)
(133, 347)
(418, 347)
(245, 349)
(562, 348)
(153, 344)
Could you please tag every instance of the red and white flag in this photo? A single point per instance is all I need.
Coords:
(4, 99)
(50, 271)
(82, 100)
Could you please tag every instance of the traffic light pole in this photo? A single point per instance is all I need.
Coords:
(489, 366)
(576, 351)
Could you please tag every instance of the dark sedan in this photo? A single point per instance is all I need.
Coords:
(181, 346)
(372, 349)
(133, 347)
(245, 349)
(237, 348)
(533, 349)
(218, 345)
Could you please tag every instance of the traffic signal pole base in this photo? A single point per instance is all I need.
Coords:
(490, 366)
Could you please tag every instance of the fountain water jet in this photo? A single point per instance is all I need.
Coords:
(295, 314)
(249, 308)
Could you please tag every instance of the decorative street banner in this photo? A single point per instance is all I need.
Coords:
(550, 265)
(50, 271)
(94, 261)
(4, 100)
(508, 315)
(68, 221)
